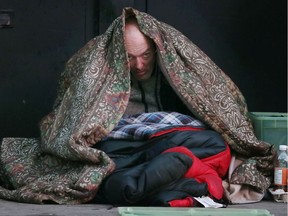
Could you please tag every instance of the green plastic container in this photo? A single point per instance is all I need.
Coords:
(183, 211)
(270, 127)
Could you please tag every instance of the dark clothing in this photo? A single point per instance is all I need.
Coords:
(154, 95)
(146, 176)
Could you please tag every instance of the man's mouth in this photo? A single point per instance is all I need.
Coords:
(140, 73)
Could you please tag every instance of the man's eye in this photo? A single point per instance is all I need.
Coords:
(146, 55)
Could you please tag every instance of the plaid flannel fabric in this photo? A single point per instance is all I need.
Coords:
(144, 125)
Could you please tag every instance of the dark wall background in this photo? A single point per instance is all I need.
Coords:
(246, 39)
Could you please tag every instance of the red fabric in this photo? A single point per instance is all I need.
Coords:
(219, 162)
(201, 172)
(184, 128)
(186, 202)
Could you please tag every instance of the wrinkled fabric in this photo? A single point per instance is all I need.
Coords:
(144, 125)
(170, 167)
(94, 92)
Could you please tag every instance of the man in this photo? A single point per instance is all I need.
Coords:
(142, 59)
(70, 161)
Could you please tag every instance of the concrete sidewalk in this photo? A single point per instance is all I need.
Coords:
(9, 208)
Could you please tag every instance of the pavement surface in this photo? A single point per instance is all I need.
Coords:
(9, 208)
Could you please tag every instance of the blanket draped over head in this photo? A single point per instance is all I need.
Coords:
(61, 166)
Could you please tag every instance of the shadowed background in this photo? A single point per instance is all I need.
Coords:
(246, 39)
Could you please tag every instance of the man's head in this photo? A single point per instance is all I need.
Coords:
(140, 49)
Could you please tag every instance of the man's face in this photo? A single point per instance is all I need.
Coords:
(141, 53)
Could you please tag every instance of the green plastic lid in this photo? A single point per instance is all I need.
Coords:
(183, 211)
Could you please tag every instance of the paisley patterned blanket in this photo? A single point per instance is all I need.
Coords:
(61, 166)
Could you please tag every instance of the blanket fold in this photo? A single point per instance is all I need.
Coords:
(61, 166)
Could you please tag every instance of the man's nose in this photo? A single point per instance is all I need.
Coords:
(138, 63)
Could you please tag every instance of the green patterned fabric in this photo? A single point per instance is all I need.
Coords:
(61, 166)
